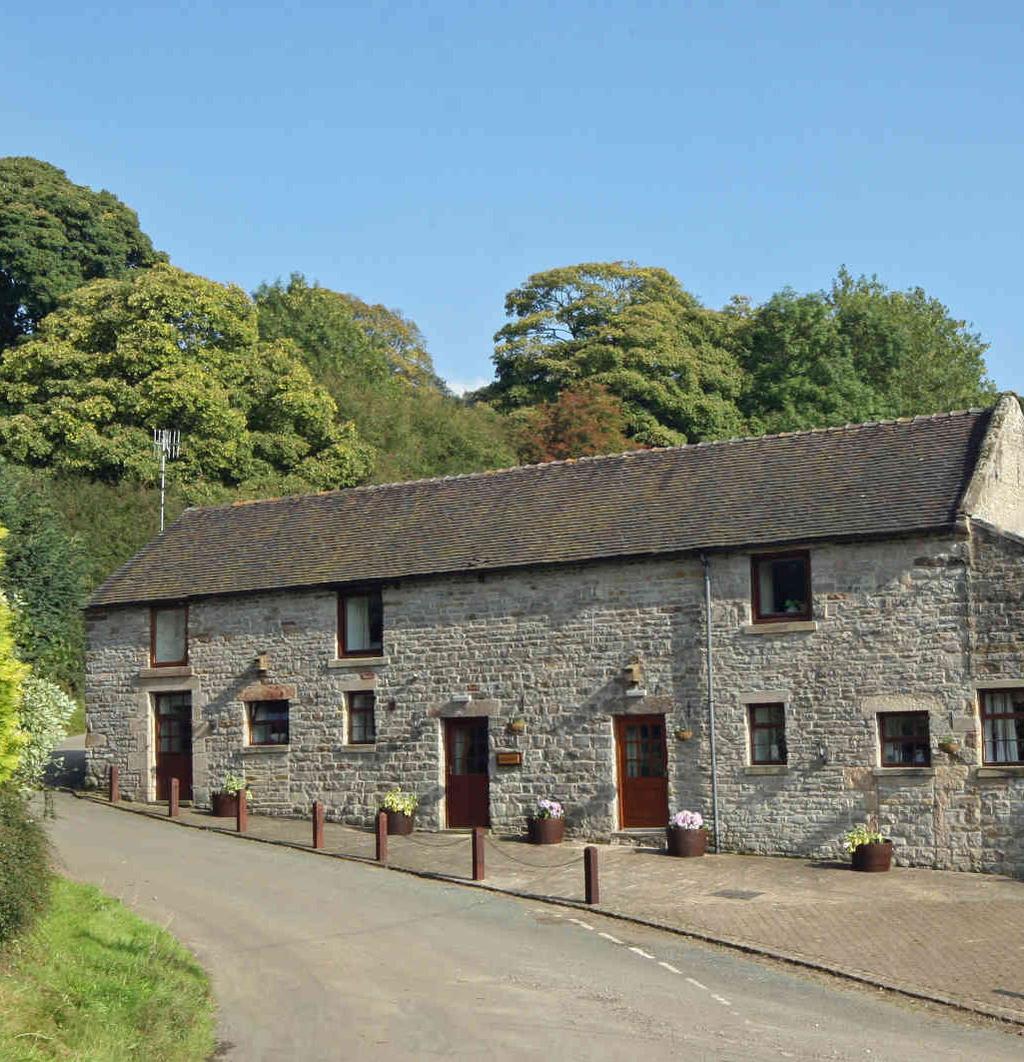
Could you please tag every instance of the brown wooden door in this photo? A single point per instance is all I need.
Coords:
(643, 781)
(173, 744)
(467, 792)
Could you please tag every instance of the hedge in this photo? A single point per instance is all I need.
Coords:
(24, 865)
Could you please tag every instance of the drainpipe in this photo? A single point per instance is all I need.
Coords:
(711, 698)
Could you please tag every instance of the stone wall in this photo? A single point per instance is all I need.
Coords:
(893, 629)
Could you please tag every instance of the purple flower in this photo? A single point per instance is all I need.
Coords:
(549, 809)
(687, 820)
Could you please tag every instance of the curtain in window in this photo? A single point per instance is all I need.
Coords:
(169, 640)
(357, 623)
(1004, 738)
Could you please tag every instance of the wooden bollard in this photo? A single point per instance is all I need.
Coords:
(114, 791)
(318, 824)
(242, 815)
(173, 803)
(591, 891)
(382, 838)
(478, 853)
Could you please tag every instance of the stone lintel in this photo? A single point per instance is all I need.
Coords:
(457, 710)
(150, 673)
(262, 691)
(764, 697)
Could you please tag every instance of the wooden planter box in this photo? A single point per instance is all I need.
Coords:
(224, 805)
(682, 842)
(399, 823)
(873, 858)
(545, 831)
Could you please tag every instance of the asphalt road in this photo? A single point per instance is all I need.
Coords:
(317, 959)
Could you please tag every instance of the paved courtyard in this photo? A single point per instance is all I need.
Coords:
(944, 935)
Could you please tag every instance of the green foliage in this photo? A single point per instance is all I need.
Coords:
(94, 981)
(45, 713)
(233, 785)
(56, 236)
(397, 801)
(634, 331)
(167, 348)
(12, 675)
(24, 866)
(43, 577)
(859, 835)
(583, 420)
(856, 352)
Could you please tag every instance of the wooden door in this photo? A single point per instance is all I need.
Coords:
(643, 781)
(467, 792)
(173, 744)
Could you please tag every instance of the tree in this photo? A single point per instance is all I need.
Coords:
(856, 352)
(43, 577)
(43, 718)
(55, 236)
(634, 331)
(398, 338)
(582, 421)
(12, 675)
(168, 348)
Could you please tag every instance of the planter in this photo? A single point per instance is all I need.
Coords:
(545, 831)
(224, 805)
(683, 842)
(873, 858)
(399, 823)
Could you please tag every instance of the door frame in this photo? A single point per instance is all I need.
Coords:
(154, 744)
(447, 725)
(623, 719)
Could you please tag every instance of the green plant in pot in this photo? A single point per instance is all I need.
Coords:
(400, 809)
(547, 823)
(871, 852)
(224, 802)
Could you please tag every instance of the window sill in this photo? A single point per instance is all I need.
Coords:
(756, 769)
(263, 750)
(787, 627)
(361, 750)
(166, 671)
(356, 662)
(1009, 770)
(903, 772)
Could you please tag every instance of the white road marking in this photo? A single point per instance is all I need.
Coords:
(642, 953)
(697, 983)
(668, 966)
(718, 999)
(583, 924)
(608, 936)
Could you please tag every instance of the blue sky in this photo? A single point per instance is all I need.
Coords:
(431, 156)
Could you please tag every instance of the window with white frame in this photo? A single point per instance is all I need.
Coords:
(1002, 726)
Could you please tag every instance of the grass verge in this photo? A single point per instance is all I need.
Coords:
(76, 724)
(94, 982)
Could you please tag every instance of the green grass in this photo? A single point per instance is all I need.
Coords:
(76, 724)
(95, 983)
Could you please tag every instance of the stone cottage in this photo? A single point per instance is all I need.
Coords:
(792, 634)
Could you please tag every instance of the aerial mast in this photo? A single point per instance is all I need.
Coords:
(167, 445)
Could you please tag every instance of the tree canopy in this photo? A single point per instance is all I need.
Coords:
(584, 420)
(55, 236)
(633, 330)
(163, 348)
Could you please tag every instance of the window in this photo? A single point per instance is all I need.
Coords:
(782, 587)
(905, 740)
(360, 624)
(168, 636)
(268, 722)
(1002, 722)
(767, 733)
(362, 729)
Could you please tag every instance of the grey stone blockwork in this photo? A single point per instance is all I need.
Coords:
(914, 624)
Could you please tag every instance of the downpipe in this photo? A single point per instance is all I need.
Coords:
(706, 563)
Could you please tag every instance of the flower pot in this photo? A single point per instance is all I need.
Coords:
(224, 805)
(399, 823)
(545, 831)
(683, 842)
(873, 858)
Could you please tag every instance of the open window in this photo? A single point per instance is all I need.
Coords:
(168, 635)
(1002, 725)
(360, 623)
(781, 584)
(905, 739)
(268, 722)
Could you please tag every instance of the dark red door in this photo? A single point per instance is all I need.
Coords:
(173, 744)
(643, 781)
(466, 782)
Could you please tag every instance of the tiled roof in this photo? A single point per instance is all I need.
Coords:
(882, 478)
